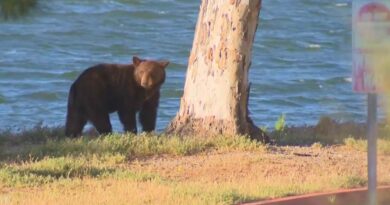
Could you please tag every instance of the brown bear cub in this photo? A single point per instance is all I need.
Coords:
(106, 88)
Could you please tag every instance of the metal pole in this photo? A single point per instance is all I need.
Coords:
(372, 147)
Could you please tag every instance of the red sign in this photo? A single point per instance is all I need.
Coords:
(371, 28)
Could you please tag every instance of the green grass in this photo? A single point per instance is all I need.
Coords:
(41, 156)
(129, 145)
(15, 8)
(53, 169)
(43, 159)
(32, 173)
(280, 124)
(36, 157)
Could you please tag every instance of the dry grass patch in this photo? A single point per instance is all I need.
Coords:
(148, 169)
(215, 177)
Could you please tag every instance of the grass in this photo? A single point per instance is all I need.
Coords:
(27, 160)
(383, 145)
(55, 161)
(54, 169)
(40, 166)
(327, 132)
(130, 146)
(60, 180)
(15, 8)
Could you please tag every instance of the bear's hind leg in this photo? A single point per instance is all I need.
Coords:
(102, 123)
(74, 124)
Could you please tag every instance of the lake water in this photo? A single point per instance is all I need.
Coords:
(301, 60)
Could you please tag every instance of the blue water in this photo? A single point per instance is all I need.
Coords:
(301, 60)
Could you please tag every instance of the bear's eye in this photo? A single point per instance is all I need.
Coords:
(141, 73)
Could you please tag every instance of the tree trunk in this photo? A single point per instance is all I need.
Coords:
(216, 92)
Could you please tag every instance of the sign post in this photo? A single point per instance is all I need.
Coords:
(371, 31)
(372, 147)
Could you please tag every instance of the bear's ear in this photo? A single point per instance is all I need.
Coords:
(164, 64)
(136, 60)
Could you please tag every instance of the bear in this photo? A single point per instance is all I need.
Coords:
(123, 88)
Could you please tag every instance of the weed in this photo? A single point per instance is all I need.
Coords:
(280, 123)
(15, 8)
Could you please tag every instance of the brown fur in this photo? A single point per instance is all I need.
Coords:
(107, 88)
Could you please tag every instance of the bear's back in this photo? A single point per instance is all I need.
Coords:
(108, 73)
(105, 83)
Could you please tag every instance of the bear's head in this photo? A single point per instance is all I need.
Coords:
(149, 74)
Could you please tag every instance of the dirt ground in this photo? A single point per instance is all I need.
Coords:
(291, 164)
(215, 177)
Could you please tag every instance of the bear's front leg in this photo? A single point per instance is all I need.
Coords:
(128, 120)
(148, 113)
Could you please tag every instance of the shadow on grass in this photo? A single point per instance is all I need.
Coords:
(47, 170)
(15, 176)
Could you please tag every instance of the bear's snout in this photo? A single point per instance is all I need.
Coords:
(147, 82)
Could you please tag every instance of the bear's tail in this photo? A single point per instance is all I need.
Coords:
(71, 97)
(72, 113)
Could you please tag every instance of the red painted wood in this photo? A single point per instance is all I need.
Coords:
(340, 197)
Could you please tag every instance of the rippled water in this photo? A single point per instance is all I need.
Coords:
(301, 61)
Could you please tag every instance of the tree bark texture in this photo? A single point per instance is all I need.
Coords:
(216, 92)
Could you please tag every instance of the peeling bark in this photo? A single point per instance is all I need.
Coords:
(216, 92)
